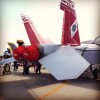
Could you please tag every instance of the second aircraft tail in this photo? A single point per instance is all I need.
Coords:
(70, 33)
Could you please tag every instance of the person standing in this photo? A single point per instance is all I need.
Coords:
(15, 66)
(38, 69)
(26, 66)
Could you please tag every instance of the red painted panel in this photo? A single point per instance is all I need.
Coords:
(31, 53)
(18, 52)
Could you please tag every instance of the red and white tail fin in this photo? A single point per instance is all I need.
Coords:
(31, 33)
(34, 36)
(70, 33)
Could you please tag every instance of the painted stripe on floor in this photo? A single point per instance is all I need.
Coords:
(51, 92)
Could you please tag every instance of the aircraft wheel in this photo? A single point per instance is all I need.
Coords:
(7, 68)
(3, 73)
(96, 73)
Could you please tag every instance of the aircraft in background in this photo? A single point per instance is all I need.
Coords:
(7, 53)
(95, 41)
(61, 60)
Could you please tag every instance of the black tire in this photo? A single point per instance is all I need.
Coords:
(7, 68)
(3, 73)
(96, 73)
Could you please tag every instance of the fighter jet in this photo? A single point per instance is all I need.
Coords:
(95, 41)
(67, 60)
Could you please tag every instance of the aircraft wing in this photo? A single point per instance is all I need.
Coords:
(95, 41)
(87, 42)
(91, 53)
(65, 63)
(8, 60)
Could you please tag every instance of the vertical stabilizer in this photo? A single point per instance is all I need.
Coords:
(70, 33)
(34, 36)
(29, 29)
(12, 46)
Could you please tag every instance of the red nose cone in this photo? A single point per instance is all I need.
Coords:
(31, 53)
(18, 52)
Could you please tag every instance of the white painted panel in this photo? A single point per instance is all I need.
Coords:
(65, 63)
(5, 61)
